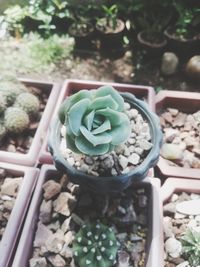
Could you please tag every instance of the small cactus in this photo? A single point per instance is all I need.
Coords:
(95, 245)
(16, 120)
(3, 103)
(191, 246)
(29, 103)
(11, 90)
(95, 121)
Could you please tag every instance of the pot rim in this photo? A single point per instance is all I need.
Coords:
(119, 29)
(169, 34)
(146, 42)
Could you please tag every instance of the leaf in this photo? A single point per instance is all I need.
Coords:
(63, 110)
(104, 102)
(104, 127)
(120, 133)
(76, 114)
(88, 149)
(115, 117)
(109, 90)
(102, 138)
(71, 144)
(88, 120)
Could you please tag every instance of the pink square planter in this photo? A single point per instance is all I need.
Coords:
(15, 222)
(178, 185)
(154, 247)
(70, 87)
(186, 102)
(31, 158)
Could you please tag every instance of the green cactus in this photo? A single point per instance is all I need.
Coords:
(29, 103)
(16, 120)
(2, 129)
(11, 90)
(191, 246)
(3, 103)
(95, 121)
(95, 245)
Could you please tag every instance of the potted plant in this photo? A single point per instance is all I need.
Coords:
(111, 31)
(31, 242)
(22, 135)
(117, 173)
(181, 211)
(145, 93)
(17, 185)
(179, 158)
(183, 37)
(151, 24)
(81, 28)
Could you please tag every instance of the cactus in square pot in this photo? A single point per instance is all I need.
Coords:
(105, 140)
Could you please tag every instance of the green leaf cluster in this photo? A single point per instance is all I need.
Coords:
(191, 246)
(95, 121)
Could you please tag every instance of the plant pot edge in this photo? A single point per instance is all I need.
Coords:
(15, 222)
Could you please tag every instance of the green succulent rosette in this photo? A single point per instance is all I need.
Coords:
(95, 121)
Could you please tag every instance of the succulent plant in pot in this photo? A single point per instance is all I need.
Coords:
(111, 139)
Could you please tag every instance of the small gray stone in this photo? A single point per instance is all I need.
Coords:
(55, 242)
(171, 152)
(123, 161)
(173, 247)
(51, 189)
(42, 234)
(123, 259)
(190, 207)
(183, 264)
(169, 207)
(57, 260)
(65, 203)
(134, 159)
(38, 262)
(167, 227)
(11, 186)
(169, 63)
(45, 211)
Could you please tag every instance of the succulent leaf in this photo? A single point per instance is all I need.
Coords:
(88, 120)
(115, 117)
(191, 246)
(109, 90)
(120, 132)
(87, 148)
(104, 102)
(95, 245)
(76, 114)
(94, 121)
(103, 127)
(102, 138)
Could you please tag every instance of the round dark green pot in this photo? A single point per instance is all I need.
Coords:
(110, 184)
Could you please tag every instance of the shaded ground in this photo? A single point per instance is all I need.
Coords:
(131, 68)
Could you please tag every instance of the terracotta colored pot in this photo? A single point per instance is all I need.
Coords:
(152, 49)
(14, 226)
(154, 249)
(145, 93)
(30, 158)
(186, 102)
(108, 184)
(185, 47)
